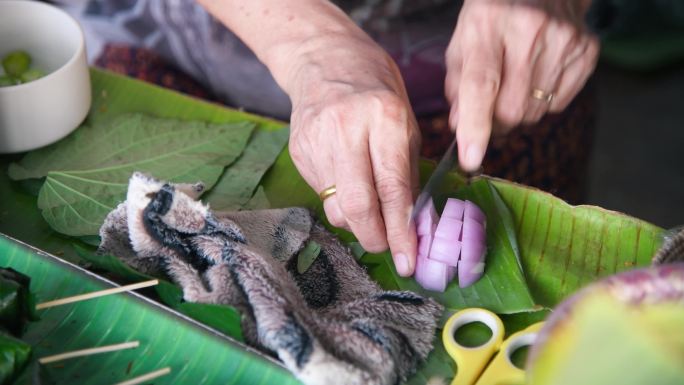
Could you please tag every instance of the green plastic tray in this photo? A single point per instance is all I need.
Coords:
(195, 353)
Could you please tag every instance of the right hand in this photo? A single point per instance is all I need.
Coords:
(352, 126)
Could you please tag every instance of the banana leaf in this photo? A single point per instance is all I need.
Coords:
(14, 354)
(552, 248)
(225, 319)
(16, 301)
(564, 247)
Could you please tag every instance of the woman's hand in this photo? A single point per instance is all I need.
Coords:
(352, 127)
(505, 51)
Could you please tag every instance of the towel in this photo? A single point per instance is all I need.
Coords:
(330, 324)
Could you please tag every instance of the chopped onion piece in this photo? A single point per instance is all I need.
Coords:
(473, 230)
(427, 219)
(473, 212)
(424, 244)
(448, 228)
(445, 250)
(469, 272)
(454, 208)
(472, 251)
(431, 275)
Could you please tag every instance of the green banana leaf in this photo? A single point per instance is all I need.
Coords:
(541, 246)
(196, 354)
(14, 354)
(225, 319)
(16, 301)
(565, 247)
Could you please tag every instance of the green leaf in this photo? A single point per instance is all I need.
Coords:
(17, 304)
(258, 201)
(14, 354)
(438, 365)
(169, 293)
(225, 319)
(563, 247)
(307, 256)
(87, 173)
(194, 354)
(237, 184)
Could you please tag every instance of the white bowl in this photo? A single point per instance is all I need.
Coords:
(42, 111)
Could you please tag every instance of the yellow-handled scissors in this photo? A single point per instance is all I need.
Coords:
(473, 363)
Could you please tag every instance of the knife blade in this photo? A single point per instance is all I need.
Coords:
(434, 182)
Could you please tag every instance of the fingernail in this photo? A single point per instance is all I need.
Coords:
(473, 158)
(401, 262)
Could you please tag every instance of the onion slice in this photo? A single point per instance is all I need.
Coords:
(454, 244)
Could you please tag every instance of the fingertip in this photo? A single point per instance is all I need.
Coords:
(402, 264)
(471, 157)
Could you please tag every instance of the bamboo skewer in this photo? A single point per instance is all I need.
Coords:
(88, 352)
(95, 294)
(146, 377)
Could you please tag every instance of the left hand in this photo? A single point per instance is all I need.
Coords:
(504, 51)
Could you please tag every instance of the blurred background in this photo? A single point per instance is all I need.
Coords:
(637, 162)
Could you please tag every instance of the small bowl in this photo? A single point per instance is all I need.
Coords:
(42, 111)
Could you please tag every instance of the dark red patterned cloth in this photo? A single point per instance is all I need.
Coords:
(551, 155)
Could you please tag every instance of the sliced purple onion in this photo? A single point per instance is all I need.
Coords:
(445, 250)
(448, 228)
(469, 272)
(454, 208)
(454, 244)
(424, 244)
(431, 275)
(473, 230)
(473, 212)
(427, 219)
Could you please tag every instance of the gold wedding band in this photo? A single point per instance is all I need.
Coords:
(541, 95)
(328, 192)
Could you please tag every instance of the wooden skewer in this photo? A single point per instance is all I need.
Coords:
(95, 294)
(90, 351)
(146, 377)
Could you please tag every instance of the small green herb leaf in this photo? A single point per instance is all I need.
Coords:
(307, 256)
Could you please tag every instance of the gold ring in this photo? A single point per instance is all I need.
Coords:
(328, 192)
(541, 95)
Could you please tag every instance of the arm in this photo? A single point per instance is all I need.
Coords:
(351, 125)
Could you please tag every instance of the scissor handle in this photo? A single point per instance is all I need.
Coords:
(502, 370)
(471, 361)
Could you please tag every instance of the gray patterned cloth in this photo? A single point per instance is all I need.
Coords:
(330, 324)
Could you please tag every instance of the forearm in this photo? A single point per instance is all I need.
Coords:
(278, 31)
